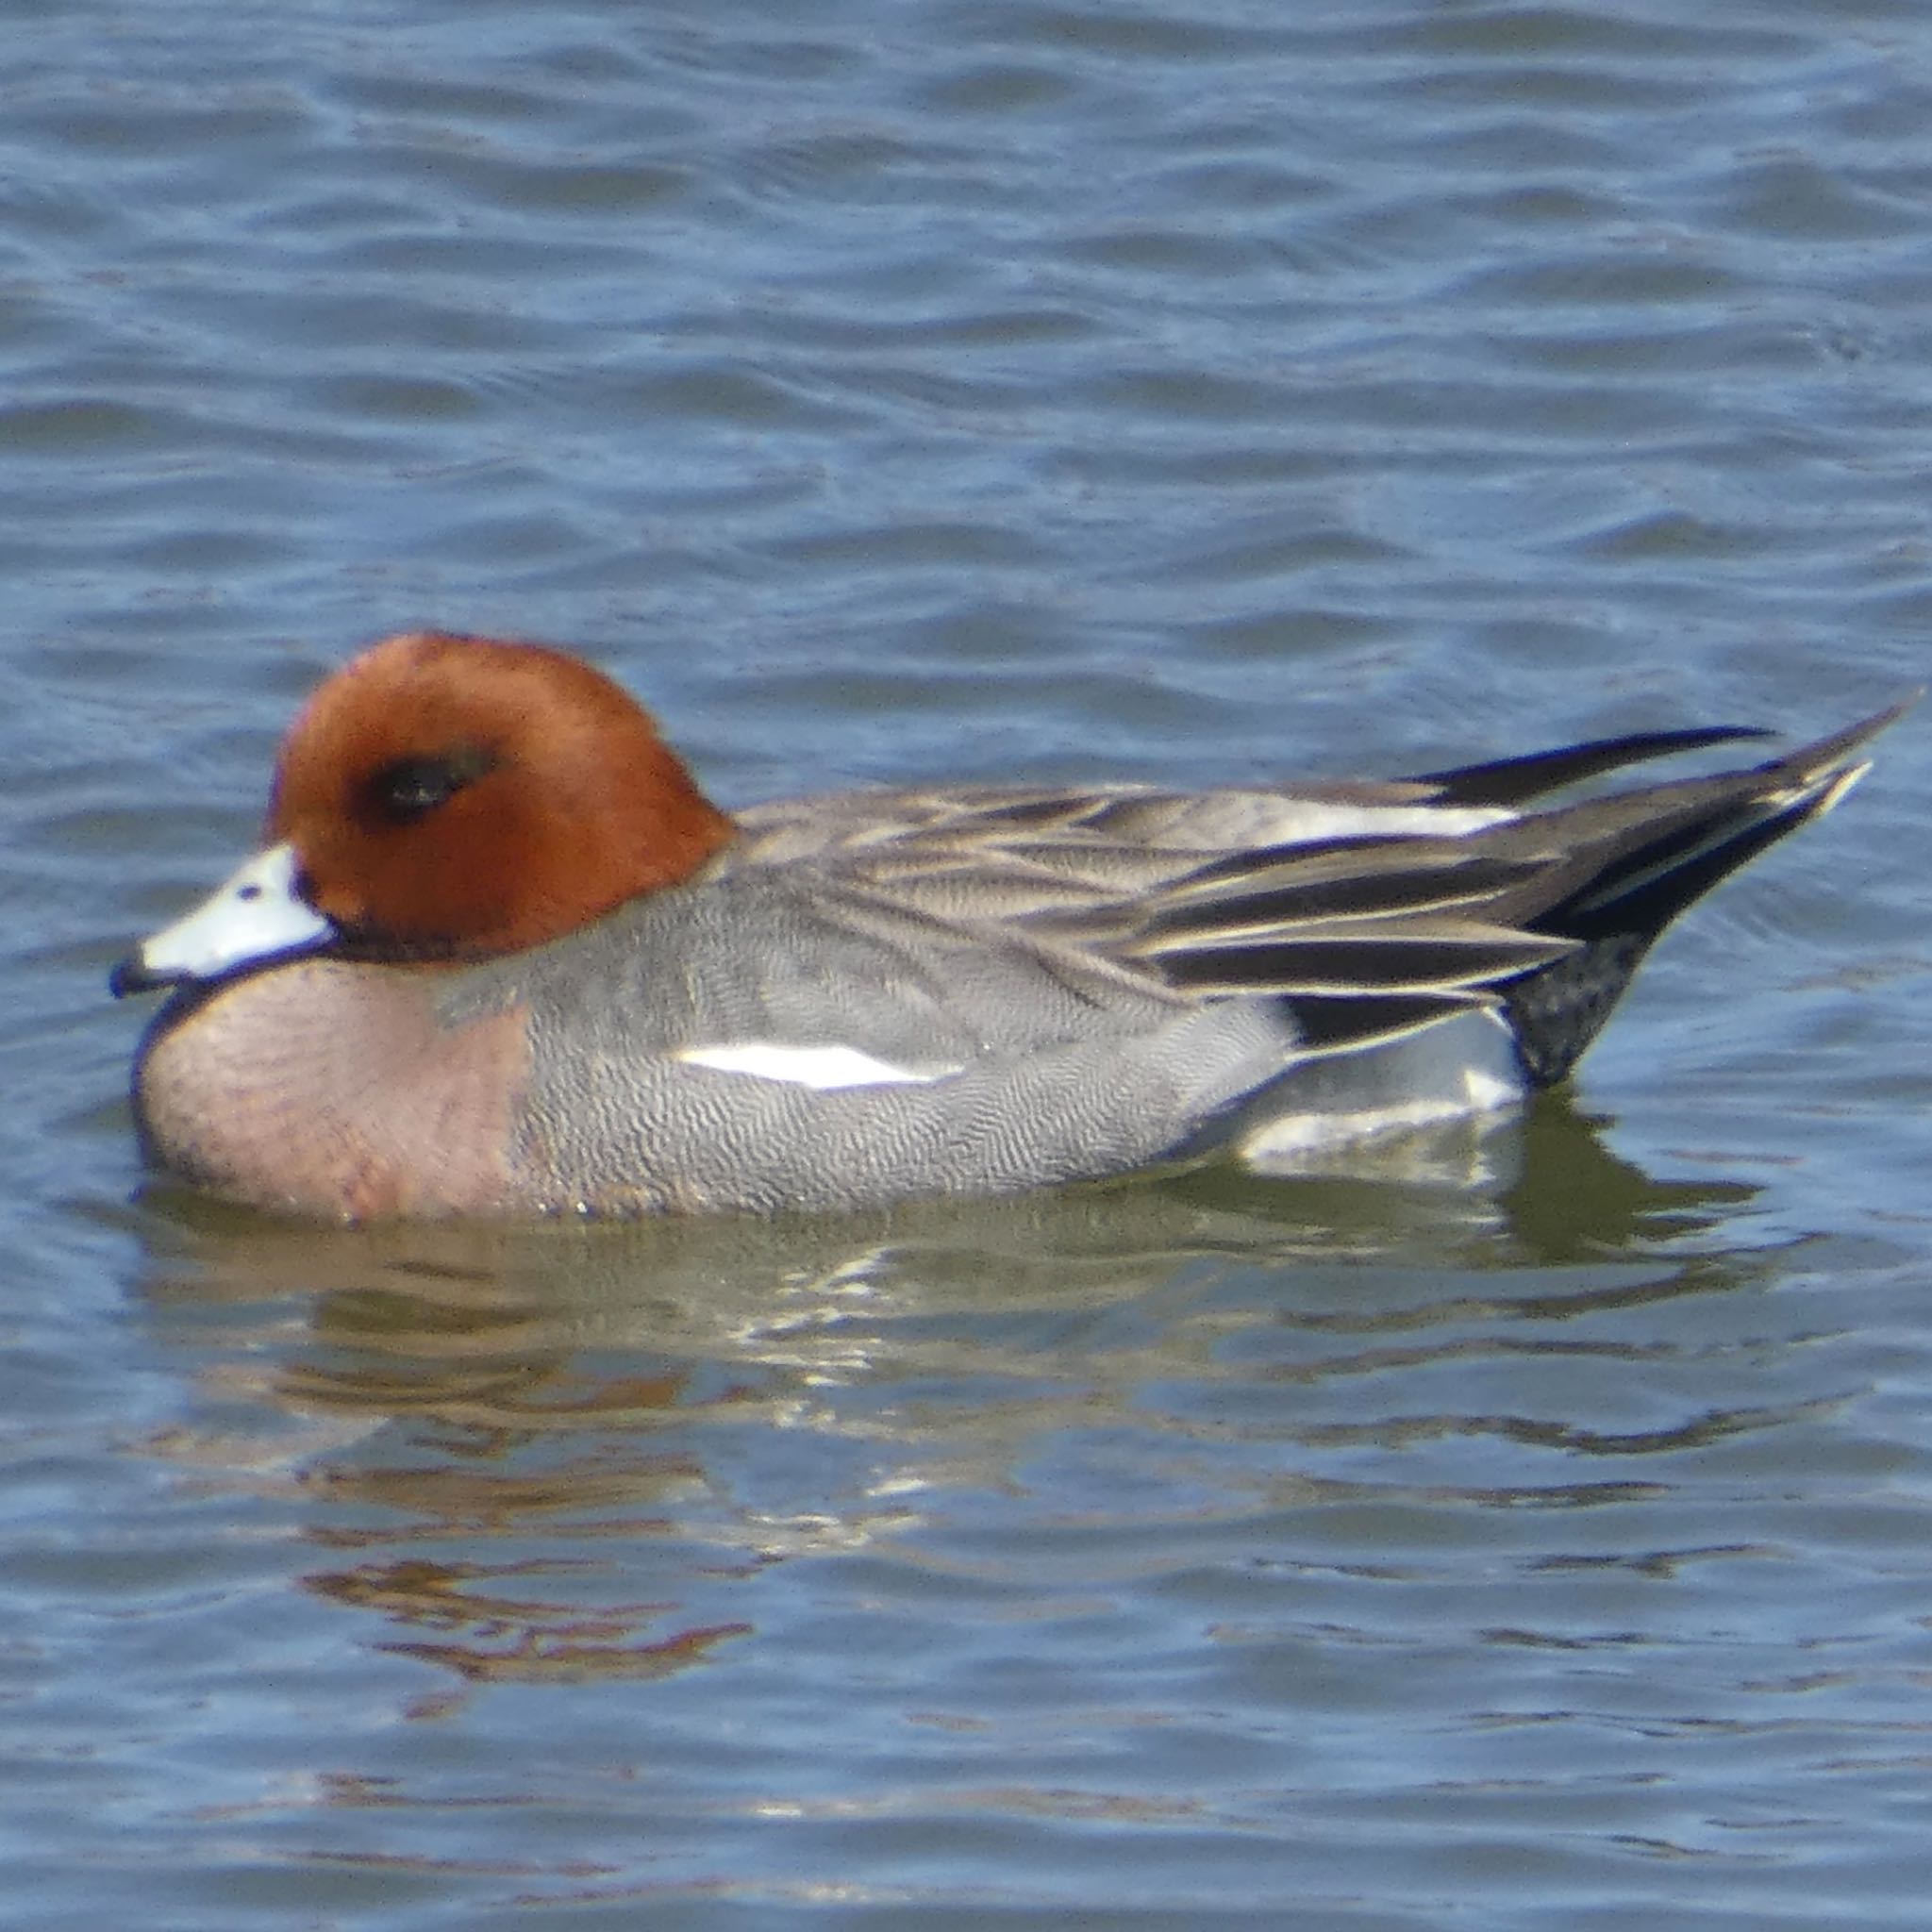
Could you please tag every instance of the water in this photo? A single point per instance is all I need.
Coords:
(1531, 1533)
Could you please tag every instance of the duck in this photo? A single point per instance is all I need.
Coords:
(499, 955)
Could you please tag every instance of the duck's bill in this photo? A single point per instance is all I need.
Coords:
(257, 915)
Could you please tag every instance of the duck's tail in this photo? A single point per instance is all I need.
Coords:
(1622, 868)
(1542, 917)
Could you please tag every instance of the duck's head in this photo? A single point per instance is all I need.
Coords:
(448, 797)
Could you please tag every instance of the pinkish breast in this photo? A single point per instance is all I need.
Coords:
(339, 1090)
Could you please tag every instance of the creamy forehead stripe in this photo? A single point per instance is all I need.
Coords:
(824, 1067)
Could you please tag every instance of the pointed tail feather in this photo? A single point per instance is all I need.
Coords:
(1643, 858)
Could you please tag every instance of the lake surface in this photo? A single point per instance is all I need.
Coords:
(1525, 1529)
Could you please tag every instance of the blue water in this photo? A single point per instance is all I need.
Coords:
(1529, 1533)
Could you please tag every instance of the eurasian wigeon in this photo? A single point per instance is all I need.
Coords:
(501, 955)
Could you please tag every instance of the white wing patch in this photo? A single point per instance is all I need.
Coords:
(824, 1067)
(1313, 818)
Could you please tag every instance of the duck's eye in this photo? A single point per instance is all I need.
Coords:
(409, 788)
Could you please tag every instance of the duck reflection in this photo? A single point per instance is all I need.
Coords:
(488, 1426)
